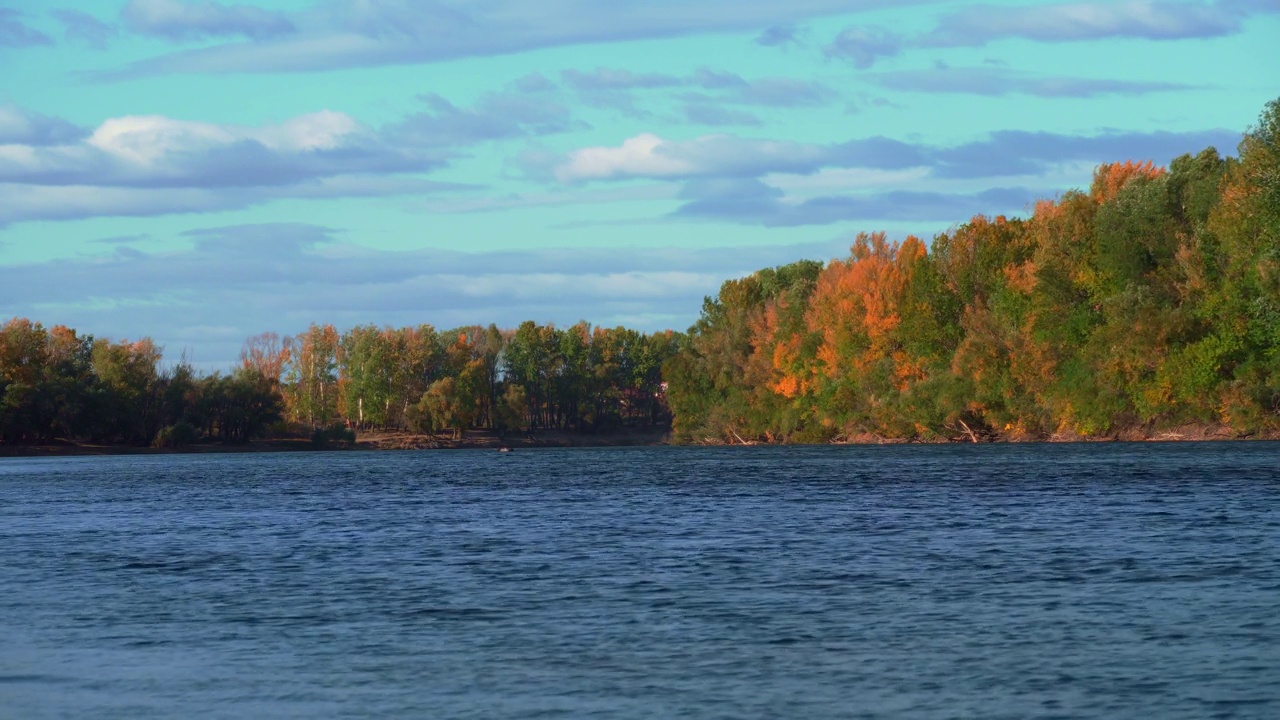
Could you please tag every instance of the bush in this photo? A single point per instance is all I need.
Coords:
(812, 433)
(286, 429)
(179, 435)
(334, 436)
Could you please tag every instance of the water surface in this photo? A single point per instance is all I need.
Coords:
(1004, 581)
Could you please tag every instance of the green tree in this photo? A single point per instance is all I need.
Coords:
(451, 402)
(128, 380)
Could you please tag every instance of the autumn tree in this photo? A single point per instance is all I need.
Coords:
(713, 393)
(266, 354)
(312, 376)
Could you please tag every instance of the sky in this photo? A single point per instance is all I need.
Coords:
(199, 171)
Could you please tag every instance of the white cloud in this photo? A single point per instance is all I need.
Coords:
(145, 140)
(647, 155)
(151, 164)
(148, 140)
(143, 164)
(324, 130)
(643, 155)
(1001, 154)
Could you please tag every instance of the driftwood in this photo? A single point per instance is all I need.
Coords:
(972, 436)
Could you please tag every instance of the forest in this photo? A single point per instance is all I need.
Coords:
(1149, 301)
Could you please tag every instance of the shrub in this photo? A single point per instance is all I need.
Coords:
(334, 436)
(179, 435)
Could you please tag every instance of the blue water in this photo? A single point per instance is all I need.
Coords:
(1090, 581)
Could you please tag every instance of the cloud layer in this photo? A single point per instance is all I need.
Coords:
(978, 25)
(149, 164)
(180, 21)
(754, 202)
(84, 28)
(242, 280)
(15, 33)
(998, 81)
(359, 33)
(1002, 153)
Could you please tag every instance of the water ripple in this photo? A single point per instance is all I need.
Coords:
(855, 582)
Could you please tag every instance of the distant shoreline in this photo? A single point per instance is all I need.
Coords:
(473, 440)
(636, 437)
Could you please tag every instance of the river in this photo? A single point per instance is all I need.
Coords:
(954, 581)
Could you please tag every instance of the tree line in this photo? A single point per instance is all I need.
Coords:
(56, 383)
(536, 377)
(1149, 301)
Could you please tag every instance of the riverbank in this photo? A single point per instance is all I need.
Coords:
(66, 448)
(1181, 433)
(483, 439)
(471, 440)
(628, 437)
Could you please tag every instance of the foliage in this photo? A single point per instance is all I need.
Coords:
(56, 384)
(334, 436)
(1149, 301)
(178, 435)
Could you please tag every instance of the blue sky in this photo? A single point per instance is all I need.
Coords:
(202, 171)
